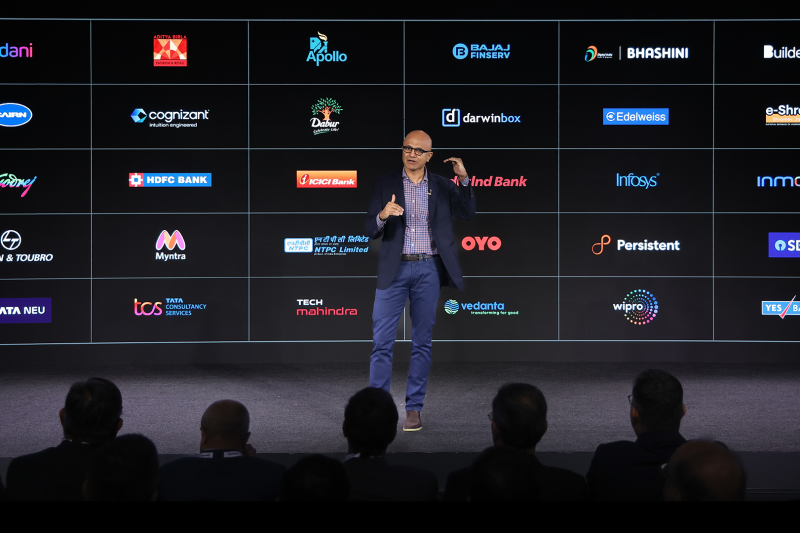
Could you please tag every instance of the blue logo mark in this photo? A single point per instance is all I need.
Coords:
(13, 115)
(636, 116)
(451, 118)
(784, 244)
(460, 51)
(139, 115)
(451, 307)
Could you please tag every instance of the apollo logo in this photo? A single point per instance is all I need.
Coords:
(170, 241)
(469, 243)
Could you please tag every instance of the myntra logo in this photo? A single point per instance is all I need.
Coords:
(141, 308)
(781, 308)
(170, 241)
(327, 179)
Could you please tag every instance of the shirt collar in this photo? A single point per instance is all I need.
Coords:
(424, 178)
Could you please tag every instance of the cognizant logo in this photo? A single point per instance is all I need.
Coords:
(636, 116)
(451, 118)
(166, 118)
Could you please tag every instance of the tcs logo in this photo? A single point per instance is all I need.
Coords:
(141, 308)
(469, 243)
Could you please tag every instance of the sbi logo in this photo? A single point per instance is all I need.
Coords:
(780, 245)
(469, 243)
(451, 307)
(784, 245)
(13, 115)
(460, 51)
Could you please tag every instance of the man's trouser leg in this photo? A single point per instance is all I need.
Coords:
(389, 306)
(424, 296)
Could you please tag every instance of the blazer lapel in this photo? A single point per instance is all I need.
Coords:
(433, 195)
(400, 193)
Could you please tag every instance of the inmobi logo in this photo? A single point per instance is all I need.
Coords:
(469, 243)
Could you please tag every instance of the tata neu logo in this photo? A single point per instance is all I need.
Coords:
(327, 179)
(492, 243)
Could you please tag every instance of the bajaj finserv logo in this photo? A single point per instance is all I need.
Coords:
(635, 116)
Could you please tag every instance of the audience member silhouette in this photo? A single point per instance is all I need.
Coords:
(519, 420)
(90, 418)
(503, 474)
(370, 425)
(704, 471)
(315, 479)
(226, 468)
(626, 470)
(123, 470)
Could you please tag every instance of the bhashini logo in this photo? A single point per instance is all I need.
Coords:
(11, 240)
(784, 245)
(311, 307)
(165, 119)
(329, 245)
(451, 118)
(482, 51)
(640, 306)
(658, 53)
(11, 181)
(327, 179)
(781, 308)
(7, 50)
(170, 241)
(641, 246)
(452, 307)
(325, 107)
(169, 51)
(26, 310)
(636, 116)
(592, 53)
(169, 307)
(13, 115)
(319, 51)
(783, 115)
(168, 179)
(778, 181)
(495, 181)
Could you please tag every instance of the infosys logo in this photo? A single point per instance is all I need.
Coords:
(632, 180)
(781, 53)
(451, 118)
(784, 245)
(636, 116)
(13, 115)
(327, 179)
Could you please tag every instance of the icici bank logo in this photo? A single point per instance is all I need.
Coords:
(146, 308)
(469, 243)
(327, 179)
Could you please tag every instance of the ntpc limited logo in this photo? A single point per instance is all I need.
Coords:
(170, 241)
(784, 245)
(636, 116)
(640, 306)
(451, 118)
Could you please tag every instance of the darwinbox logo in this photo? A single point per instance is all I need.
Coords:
(636, 116)
(451, 118)
(777, 181)
(11, 181)
(169, 51)
(640, 307)
(784, 245)
(319, 51)
(641, 246)
(783, 115)
(16, 51)
(781, 308)
(165, 118)
(329, 245)
(781, 53)
(327, 179)
(140, 179)
(451, 307)
(325, 107)
(13, 115)
(26, 310)
(482, 51)
(11, 240)
(592, 53)
(170, 241)
(311, 307)
(171, 307)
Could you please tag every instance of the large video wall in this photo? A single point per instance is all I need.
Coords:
(180, 183)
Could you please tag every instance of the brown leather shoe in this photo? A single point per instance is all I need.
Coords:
(413, 421)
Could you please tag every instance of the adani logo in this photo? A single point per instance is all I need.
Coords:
(170, 241)
(640, 307)
(327, 179)
(312, 307)
(26, 310)
(784, 245)
(781, 308)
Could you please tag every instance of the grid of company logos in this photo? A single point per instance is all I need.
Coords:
(631, 183)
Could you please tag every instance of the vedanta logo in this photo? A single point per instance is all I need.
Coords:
(165, 239)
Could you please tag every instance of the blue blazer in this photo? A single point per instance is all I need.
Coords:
(445, 200)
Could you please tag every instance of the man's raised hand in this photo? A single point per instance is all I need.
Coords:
(458, 167)
(391, 210)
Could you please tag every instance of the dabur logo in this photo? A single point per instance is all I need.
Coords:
(312, 307)
(781, 53)
(11, 240)
(636, 116)
(140, 179)
(781, 308)
(169, 307)
(327, 179)
(319, 51)
(482, 243)
(13, 182)
(451, 307)
(640, 307)
(451, 118)
(26, 310)
(784, 245)
(325, 107)
(170, 242)
(482, 51)
(783, 115)
(13, 115)
(169, 51)
(592, 53)
(16, 51)
(165, 119)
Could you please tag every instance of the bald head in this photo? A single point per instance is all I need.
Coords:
(418, 139)
(702, 470)
(226, 419)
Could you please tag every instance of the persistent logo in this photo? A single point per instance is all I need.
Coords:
(496, 181)
(778, 181)
(592, 54)
(26, 310)
(11, 240)
(170, 241)
(784, 244)
(139, 179)
(781, 53)
(452, 307)
(322, 311)
(13, 115)
(658, 53)
(632, 180)
(492, 243)
(482, 51)
(171, 307)
(780, 308)
(169, 51)
(451, 118)
(636, 116)
(10, 180)
(327, 179)
(165, 118)
(325, 107)
(783, 115)
(329, 245)
(642, 246)
(640, 307)
(16, 51)
(319, 51)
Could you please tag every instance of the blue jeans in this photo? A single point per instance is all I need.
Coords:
(420, 282)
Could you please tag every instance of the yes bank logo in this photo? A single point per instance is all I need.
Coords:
(482, 51)
(451, 118)
(635, 116)
(784, 245)
(781, 308)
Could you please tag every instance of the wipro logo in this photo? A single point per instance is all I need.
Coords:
(636, 116)
(640, 307)
(451, 118)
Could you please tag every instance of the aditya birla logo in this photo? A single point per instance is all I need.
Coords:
(325, 107)
(169, 51)
(328, 179)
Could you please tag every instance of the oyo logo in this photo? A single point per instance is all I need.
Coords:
(319, 51)
(604, 240)
(13, 115)
(16, 51)
(469, 243)
(170, 51)
(170, 241)
(636, 116)
(780, 308)
(784, 245)
(781, 53)
(10, 180)
(327, 179)
(451, 307)
(146, 308)
(10, 240)
(460, 51)
(640, 307)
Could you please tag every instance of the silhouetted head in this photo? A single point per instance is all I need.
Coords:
(92, 411)
(519, 416)
(704, 471)
(225, 425)
(656, 402)
(125, 469)
(315, 479)
(370, 422)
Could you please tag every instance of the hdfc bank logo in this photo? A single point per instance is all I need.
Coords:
(327, 179)
(492, 243)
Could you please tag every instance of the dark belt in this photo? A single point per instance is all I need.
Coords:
(416, 257)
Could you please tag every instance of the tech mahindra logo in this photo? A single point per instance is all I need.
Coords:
(492, 243)
(166, 118)
(173, 307)
(495, 181)
(140, 179)
(592, 54)
(11, 181)
(482, 51)
(26, 310)
(781, 53)
(781, 308)
(784, 245)
(783, 114)
(636, 116)
(169, 51)
(640, 306)
(451, 118)
(319, 51)
(327, 179)
(658, 53)
(632, 180)
(321, 311)
(643, 246)
(778, 181)
(170, 241)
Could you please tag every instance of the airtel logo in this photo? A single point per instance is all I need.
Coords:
(468, 243)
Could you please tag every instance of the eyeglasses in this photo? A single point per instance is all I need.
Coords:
(418, 151)
(630, 399)
(491, 416)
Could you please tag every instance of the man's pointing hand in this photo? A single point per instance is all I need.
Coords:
(391, 210)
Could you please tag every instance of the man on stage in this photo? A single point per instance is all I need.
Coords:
(412, 209)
